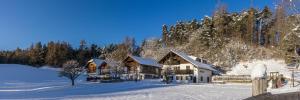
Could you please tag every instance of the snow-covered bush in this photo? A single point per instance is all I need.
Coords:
(259, 71)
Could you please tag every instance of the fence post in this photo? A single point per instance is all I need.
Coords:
(259, 86)
(259, 79)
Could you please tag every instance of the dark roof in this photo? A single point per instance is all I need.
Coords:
(192, 61)
(145, 61)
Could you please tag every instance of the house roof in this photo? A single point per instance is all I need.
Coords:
(98, 62)
(112, 63)
(192, 60)
(145, 61)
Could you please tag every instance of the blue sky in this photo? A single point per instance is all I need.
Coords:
(23, 22)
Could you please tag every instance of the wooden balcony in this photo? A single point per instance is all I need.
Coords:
(105, 71)
(183, 71)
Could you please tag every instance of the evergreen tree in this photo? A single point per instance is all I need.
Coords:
(83, 53)
(250, 36)
(165, 33)
(264, 26)
(206, 34)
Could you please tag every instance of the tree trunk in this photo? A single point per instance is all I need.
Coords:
(73, 82)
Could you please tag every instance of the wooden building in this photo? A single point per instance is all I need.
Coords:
(187, 69)
(98, 69)
(138, 68)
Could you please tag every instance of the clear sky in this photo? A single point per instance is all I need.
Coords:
(23, 22)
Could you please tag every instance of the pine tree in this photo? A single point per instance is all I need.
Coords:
(264, 26)
(250, 35)
(206, 35)
(83, 53)
(172, 36)
(194, 25)
(165, 33)
(280, 25)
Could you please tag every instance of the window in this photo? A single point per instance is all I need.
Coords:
(201, 79)
(207, 79)
(92, 68)
(204, 61)
(197, 59)
(177, 68)
(187, 67)
(141, 69)
(187, 78)
(177, 77)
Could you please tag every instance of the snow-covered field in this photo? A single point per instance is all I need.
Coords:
(25, 82)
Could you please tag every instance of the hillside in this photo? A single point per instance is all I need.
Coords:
(226, 39)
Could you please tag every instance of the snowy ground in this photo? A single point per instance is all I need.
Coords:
(25, 82)
(179, 92)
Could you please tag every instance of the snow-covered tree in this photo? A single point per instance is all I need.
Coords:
(71, 70)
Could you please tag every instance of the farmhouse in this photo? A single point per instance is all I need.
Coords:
(186, 69)
(102, 69)
(140, 68)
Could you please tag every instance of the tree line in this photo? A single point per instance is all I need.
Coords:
(56, 53)
(226, 38)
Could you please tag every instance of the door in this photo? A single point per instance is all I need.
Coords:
(194, 79)
(207, 79)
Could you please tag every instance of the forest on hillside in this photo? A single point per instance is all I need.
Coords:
(224, 39)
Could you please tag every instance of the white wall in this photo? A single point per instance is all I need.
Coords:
(204, 73)
(197, 72)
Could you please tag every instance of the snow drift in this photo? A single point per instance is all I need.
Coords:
(272, 65)
(259, 71)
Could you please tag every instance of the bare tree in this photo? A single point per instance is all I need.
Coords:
(117, 67)
(71, 70)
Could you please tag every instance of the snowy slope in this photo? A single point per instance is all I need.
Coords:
(23, 73)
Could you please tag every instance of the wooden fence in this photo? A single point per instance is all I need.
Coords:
(232, 79)
(259, 86)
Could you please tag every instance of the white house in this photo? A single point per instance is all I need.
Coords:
(186, 69)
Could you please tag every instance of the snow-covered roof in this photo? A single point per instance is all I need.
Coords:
(98, 62)
(192, 61)
(112, 63)
(145, 61)
(193, 57)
